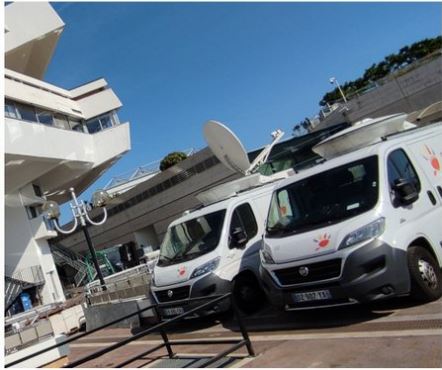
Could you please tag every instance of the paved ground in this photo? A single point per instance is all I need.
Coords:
(391, 334)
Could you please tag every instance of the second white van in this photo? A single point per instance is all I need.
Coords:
(364, 225)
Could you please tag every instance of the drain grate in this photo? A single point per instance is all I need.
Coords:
(192, 362)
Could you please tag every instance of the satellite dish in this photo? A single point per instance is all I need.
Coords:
(361, 134)
(226, 146)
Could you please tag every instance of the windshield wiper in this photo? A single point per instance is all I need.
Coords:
(279, 229)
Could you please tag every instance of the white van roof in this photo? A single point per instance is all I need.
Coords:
(226, 203)
(407, 136)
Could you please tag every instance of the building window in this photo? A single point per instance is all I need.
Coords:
(10, 110)
(45, 117)
(102, 122)
(26, 112)
(32, 211)
(106, 122)
(37, 190)
(76, 124)
(61, 121)
(93, 126)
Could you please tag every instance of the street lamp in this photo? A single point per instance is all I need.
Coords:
(80, 211)
(333, 80)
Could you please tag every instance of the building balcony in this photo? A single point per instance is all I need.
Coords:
(57, 159)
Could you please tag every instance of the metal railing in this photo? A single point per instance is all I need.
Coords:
(29, 276)
(122, 275)
(38, 330)
(64, 255)
(122, 286)
(167, 343)
(140, 171)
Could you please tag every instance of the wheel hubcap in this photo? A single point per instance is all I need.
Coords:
(427, 273)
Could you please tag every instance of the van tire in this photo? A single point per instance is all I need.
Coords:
(425, 275)
(247, 294)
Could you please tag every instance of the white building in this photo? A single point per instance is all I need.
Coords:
(54, 139)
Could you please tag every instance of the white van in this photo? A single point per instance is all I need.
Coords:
(364, 225)
(215, 249)
(211, 251)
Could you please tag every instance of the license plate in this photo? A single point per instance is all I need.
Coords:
(173, 311)
(312, 296)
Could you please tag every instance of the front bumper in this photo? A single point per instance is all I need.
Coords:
(205, 287)
(371, 272)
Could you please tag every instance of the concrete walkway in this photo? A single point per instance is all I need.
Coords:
(396, 334)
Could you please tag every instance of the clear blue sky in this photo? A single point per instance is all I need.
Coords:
(254, 66)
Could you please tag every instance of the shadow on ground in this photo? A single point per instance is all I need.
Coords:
(270, 319)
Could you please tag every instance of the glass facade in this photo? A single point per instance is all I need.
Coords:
(26, 112)
(101, 123)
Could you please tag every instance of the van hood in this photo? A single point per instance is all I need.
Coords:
(181, 271)
(317, 242)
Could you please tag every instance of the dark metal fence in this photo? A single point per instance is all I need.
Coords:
(160, 327)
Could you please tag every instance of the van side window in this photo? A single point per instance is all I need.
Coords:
(244, 218)
(400, 167)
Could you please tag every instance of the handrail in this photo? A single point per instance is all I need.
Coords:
(245, 341)
(141, 334)
(78, 336)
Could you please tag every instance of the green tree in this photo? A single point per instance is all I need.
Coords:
(406, 55)
(172, 159)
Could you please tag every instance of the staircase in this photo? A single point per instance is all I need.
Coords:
(13, 288)
(63, 255)
(21, 280)
(104, 263)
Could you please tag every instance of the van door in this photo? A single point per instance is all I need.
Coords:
(244, 241)
(419, 218)
(428, 154)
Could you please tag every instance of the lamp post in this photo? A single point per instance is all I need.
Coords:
(80, 211)
(333, 80)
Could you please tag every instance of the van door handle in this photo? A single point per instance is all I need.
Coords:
(432, 198)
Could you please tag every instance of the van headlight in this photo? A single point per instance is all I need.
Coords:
(266, 255)
(207, 267)
(370, 231)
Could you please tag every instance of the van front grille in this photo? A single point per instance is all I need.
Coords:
(175, 294)
(316, 272)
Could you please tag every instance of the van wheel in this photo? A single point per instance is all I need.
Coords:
(247, 294)
(425, 275)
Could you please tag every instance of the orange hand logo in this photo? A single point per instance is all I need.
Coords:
(323, 241)
(431, 157)
(181, 270)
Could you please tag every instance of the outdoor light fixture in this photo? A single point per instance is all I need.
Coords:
(80, 211)
(52, 209)
(333, 80)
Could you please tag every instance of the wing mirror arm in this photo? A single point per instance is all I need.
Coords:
(238, 238)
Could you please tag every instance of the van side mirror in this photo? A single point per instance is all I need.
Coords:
(405, 192)
(238, 238)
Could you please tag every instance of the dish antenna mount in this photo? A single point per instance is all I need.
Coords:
(229, 150)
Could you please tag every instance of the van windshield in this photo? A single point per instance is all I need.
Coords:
(324, 199)
(191, 239)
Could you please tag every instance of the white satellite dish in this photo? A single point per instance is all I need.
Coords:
(361, 134)
(229, 150)
(226, 146)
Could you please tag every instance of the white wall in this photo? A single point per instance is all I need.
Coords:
(22, 251)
